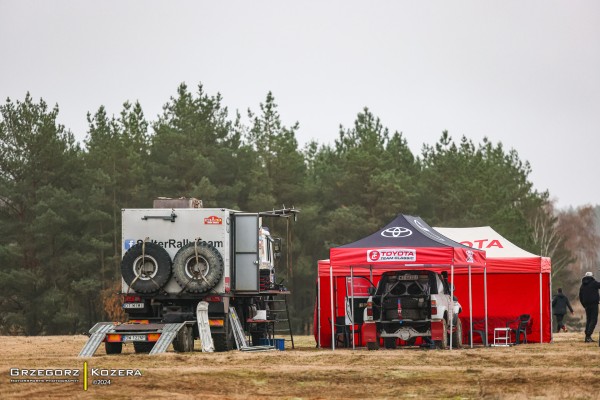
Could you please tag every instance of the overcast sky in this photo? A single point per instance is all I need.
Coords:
(524, 73)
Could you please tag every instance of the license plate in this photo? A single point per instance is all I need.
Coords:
(133, 305)
(408, 277)
(134, 338)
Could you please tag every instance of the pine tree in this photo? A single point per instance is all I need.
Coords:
(39, 219)
(196, 151)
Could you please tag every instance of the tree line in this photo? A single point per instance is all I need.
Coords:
(61, 201)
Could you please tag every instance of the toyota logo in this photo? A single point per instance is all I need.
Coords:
(374, 255)
(396, 232)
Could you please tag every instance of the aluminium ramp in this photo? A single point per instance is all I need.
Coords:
(204, 327)
(240, 337)
(97, 335)
(167, 335)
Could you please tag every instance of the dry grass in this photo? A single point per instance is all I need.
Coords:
(567, 368)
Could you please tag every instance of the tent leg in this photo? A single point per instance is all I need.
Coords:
(319, 310)
(485, 303)
(541, 312)
(451, 302)
(331, 301)
(470, 309)
(549, 303)
(352, 308)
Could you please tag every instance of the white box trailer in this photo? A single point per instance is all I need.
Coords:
(172, 229)
(175, 258)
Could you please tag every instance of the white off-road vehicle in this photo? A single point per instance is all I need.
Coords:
(409, 304)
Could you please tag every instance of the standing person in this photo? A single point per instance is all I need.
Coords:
(589, 298)
(560, 302)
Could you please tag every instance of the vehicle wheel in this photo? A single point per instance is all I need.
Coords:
(372, 346)
(389, 342)
(224, 341)
(184, 341)
(198, 276)
(113, 347)
(443, 344)
(411, 341)
(457, 336)
(143, 347)
(148, 269)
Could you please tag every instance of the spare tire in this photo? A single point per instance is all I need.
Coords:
(198, 276)
(148, 269)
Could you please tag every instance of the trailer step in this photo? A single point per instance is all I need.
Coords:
(97, 334)
(169, 331)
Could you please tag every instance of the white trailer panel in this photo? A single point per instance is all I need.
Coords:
(174, 228)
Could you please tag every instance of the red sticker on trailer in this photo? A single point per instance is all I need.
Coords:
(213, 220)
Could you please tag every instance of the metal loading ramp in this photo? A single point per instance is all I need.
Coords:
(98, 333)
(239, 335)
(166, 337)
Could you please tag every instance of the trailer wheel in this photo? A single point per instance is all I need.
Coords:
(223, 341)
(457, 336)
(198, 273)
(143, 347)
(146, 267)
(113, 347)
(184, 341)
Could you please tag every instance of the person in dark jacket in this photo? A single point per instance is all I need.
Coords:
(589, 298)
(560, 302)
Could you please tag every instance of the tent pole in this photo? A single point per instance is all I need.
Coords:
(318, 308)
(485, 301)
(331, 300)
(371, 273)
(451, 302)
(541, 313)
(352, 296)
(549, 304)
(470, 309)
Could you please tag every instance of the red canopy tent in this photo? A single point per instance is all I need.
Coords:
(405, 242)
(518, 282)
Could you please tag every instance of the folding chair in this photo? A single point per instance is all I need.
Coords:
(520, 328)
(480, 332)
(342, 332)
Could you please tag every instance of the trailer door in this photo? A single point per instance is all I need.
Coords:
(246, 252)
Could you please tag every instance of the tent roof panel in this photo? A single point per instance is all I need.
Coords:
(486, 238)
(405, 240)
(502, 255)
(405, 231)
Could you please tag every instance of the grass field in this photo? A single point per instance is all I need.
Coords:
(567, 368)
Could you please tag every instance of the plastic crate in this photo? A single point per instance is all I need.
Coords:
(279, 343)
